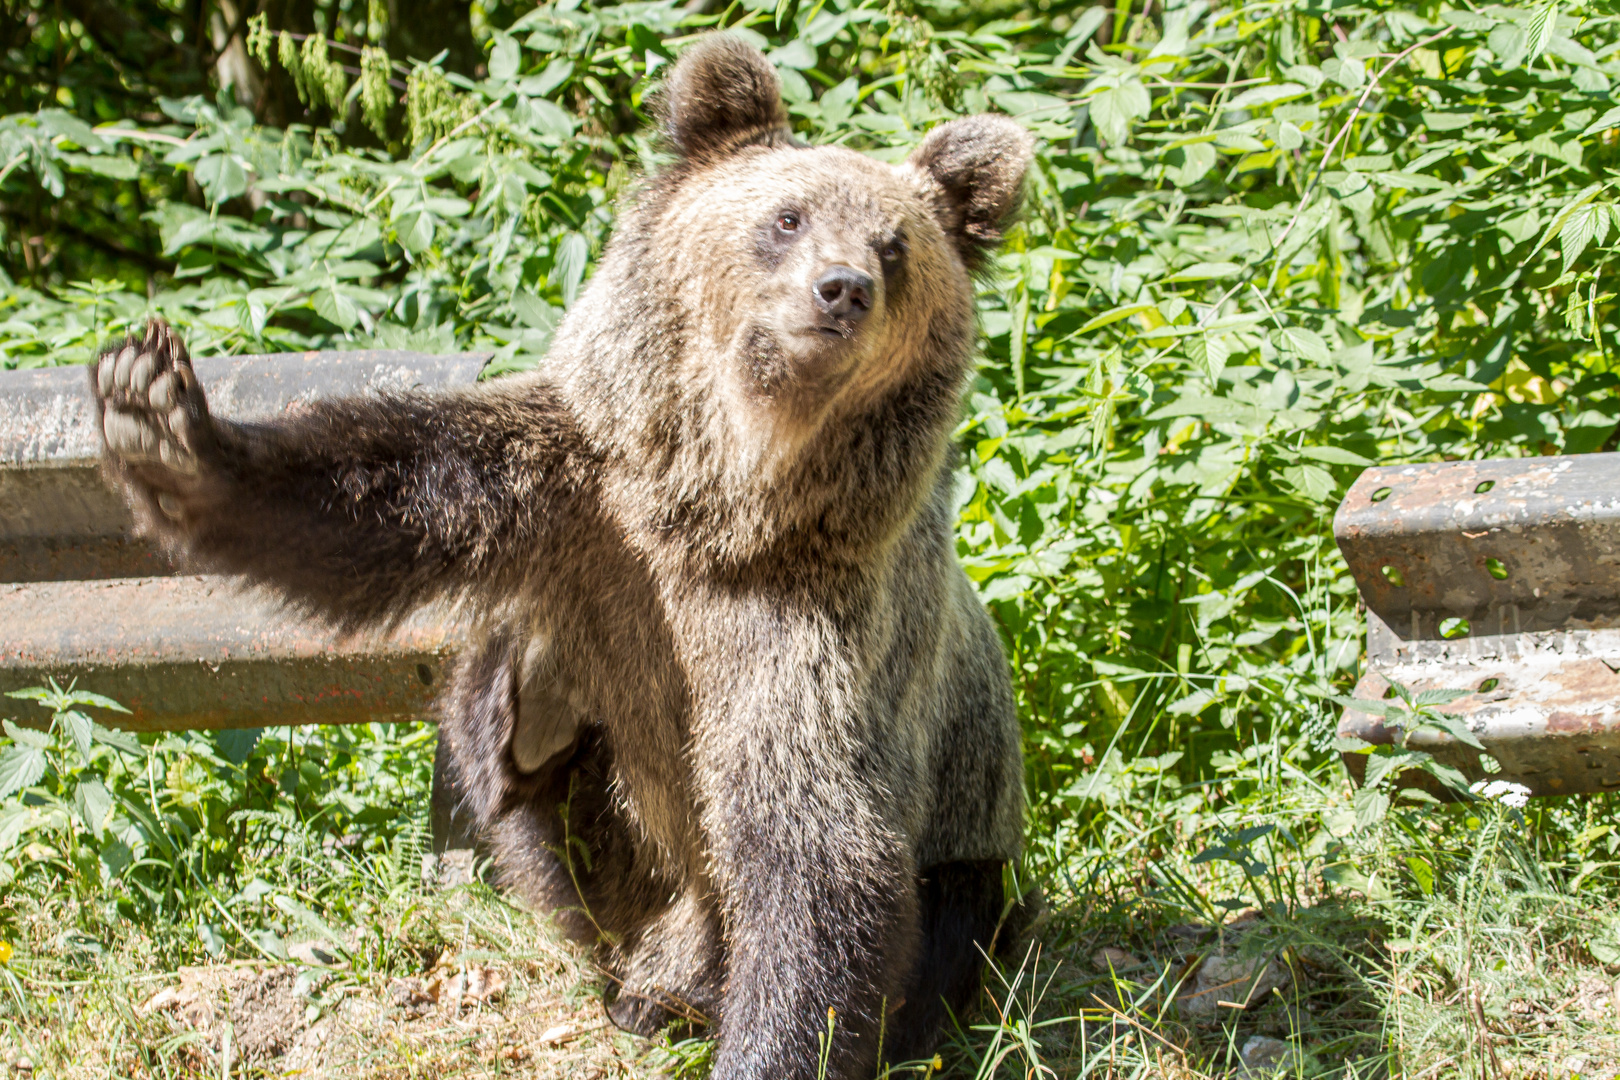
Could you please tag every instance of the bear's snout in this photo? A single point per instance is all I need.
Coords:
(843, 292)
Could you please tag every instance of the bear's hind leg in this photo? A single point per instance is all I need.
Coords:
(671, 971)
(961, 905)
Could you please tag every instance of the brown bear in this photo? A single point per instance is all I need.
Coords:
(731, 708)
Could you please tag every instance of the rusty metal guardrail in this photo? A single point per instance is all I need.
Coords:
(1502, 579)
(82, 598)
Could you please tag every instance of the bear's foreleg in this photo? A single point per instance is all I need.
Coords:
(358, 509)
(817, 887)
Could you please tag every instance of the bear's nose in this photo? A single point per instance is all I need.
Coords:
(844, 293)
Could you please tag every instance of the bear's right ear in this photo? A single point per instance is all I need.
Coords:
(723, 95)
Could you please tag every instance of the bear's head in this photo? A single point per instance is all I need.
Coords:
(776, 318)
(813, 280)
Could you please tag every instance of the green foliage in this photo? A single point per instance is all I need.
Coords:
(215, 841)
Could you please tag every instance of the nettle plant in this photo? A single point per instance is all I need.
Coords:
(1266, 245)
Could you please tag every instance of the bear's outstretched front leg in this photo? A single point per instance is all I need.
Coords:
(357, 509)
(817, 887)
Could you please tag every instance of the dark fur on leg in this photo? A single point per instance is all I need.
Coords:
(961, 905)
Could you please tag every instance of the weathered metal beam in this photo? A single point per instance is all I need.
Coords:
(1501, 579)
(198, 652)
(59, 522)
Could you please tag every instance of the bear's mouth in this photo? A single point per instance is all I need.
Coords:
(832, 330)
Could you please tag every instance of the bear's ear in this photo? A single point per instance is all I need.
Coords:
(723, 95)
(977, 168)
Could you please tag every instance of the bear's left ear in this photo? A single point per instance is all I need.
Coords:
(976, 165)
(723, 95)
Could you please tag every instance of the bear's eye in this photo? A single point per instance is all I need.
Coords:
(787, 221)
(892, 253)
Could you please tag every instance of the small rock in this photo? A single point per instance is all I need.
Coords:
(483, 984)
(166, 998)
(25, 1064)
(1227, 980)
(1262, 1056)
(1110, 958)
(1575, 1064)
(308, 952)
(556, 1034)
(456, 867)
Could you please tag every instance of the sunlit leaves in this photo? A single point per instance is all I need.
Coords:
(1120, 100)
(1585, 225)
(1539, 34)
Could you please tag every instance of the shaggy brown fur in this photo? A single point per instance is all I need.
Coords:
(727, 675)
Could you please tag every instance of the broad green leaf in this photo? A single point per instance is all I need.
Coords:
(15, 823)
(1198, 159)
(1115, 108)
(1609, 119)
(1539, 34)
(81, 728)
(1446, 121)
(554, 75)
(1334, 455)
(1422, 874)
(797, 54)
(505, 58)
(1114, 315)
(237, 744)
(1574, 205)
(572, 256)
(1209, 352)
(93, 804)
(37, 740)
(1267, 95)
(1586, 225)
(534, 311)
(545, 117)
(1457, 727)
(1348, 72)
(116, 168)
(838, 103)
(222, 176)
(1308, 345)
(1089, 20)
(1389, 761)
(415, 232)
(85, 697)
(1311, 481)
(1371, 806)
(1510, 44)
(20, 767)
(123, 742)
(334, 306)
(1204, 271)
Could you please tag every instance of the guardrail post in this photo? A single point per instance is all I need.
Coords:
(1502, 579)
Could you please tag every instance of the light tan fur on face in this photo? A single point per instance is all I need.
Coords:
(851, 205)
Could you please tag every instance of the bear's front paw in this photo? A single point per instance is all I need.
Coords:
(154, 415)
